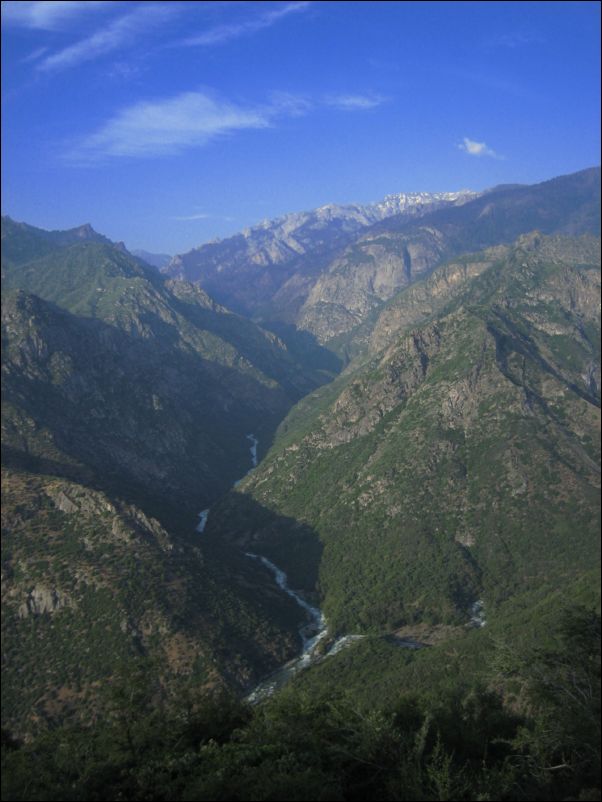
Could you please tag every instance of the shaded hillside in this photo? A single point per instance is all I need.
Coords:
(127, 399)
(144, 380)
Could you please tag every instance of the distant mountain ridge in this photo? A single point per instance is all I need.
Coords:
(270, 264)
(22, 242)
(330, 270)
(158, 260)
(394, 253)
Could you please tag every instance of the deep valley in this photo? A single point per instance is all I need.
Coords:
(361, 443)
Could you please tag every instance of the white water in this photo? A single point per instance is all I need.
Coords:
(253, 448)
(340, 644)
(477, 614)
(203, 515)
(312, 633)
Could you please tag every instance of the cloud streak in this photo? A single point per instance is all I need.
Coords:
(117, 34)
(164, 127)
(477, 148)
(201, 216)
(48, 15)
(221, 34)
(513, 40)
(354, 102)
(172, 125)
(35, 55)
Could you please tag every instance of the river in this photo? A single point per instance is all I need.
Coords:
(315, 630)
(312, 632)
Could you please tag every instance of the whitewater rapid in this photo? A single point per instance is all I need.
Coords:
(477, 614)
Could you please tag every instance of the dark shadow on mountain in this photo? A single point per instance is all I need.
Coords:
(239, 522)
(509, 341)
(170, 514)
(138, 417)
(317, 364)
(305, 348)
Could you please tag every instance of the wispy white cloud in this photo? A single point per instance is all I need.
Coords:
(289, 104)
(192, 119)
(477, 148)
(118, 33)
(162, 127)
(354, 102)
(202, 216)
(122, 70)
(34, 55)
(224, 33)
(48, 15)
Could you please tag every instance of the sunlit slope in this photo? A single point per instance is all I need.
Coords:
(461, 461)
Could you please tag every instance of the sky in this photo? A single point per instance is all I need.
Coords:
(165, 125)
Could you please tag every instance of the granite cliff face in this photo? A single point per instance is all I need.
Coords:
(268, 270)
(396, 252)
(368, 273)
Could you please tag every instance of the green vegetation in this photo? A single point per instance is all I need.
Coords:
(459, 462)
(455, 459)
(460, 744)
(92, 583)
(140, 385)
(126, 403)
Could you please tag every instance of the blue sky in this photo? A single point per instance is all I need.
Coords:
(167, 124)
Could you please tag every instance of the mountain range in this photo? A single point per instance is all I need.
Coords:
(268, 269)
(422, 378)
(337, 266)
(412, 471)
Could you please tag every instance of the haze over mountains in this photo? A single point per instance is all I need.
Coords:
(158, 260)
(423, 378)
